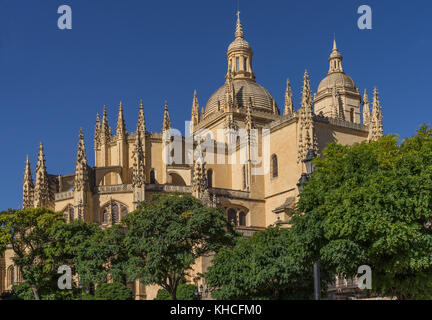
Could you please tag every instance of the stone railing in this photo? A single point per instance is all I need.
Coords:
(64, 195)
(168, 188)
(248, 231)
(118, 188)
(237, 194)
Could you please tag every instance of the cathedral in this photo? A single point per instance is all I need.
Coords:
(251, 176)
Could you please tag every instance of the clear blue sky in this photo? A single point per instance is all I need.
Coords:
(52, 82)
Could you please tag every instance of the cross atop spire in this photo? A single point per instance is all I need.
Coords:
(239, 27)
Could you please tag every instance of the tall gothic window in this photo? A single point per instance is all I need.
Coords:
(232, 217)
(274, 166)
(244, 176)
(105, 215)
(210, 178)
(115, 213)
(242, 219)
(11, 276)
(152, 177)
(237, 64)
(245, 63)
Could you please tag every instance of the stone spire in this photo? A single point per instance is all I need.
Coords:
(81, 167)
(97, 132)
(42, 193)
(141, 126)
(195, 114)
(335, 59)
(375, 121)
(121, 128)
(239, 27)
(28, 187)
(366, 109)
(289, 106)
(105, 132)
(307, 138)
(166, 120)
(138, 173)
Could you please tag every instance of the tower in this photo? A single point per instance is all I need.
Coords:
(337, 96)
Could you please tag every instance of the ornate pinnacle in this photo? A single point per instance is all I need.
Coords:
(105, 128)
(166, 120)
(97, 132)
(138, 173)
(366, 110)
(42, 192)
(289, 106)
(121, 128)
(28, 187)
(81, 169)
(141, 119)
(195, 115)
(306, 93)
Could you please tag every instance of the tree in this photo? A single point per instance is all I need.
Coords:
(167, 235)
(266, 266)
(102, 255)
(113, 291)
(27, 233)
(371, 204)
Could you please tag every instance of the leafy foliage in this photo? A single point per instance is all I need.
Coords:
(113, 291)
(166, 236)
(371, 203)
(27, 232)
(266, 266)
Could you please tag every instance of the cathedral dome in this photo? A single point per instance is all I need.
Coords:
(244, 91)
(336, 76)
(337, 79)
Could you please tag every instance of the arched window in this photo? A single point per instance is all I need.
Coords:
(237, 64)
(11, 276)
(68, 213)
(232, 217)
(242, 219)
(352, 115)
(274, 166)
(210, 178)
(152, 177)
(105, 215)
(124, 211)
(115, 213)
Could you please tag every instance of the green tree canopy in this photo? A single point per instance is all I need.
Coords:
(371, 204)
(27, 232)
(113, 291)
(268, 265)
(165, 237)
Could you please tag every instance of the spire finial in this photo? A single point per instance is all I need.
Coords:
(334, 43)
(239, 27)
